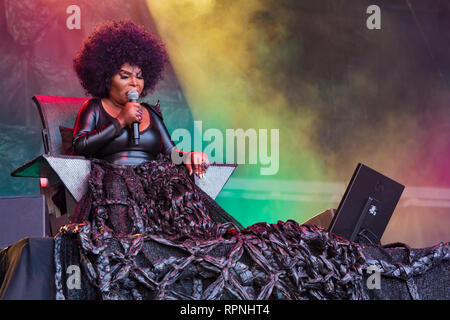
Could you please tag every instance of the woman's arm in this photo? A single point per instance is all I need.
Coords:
(193, 160)
(167, 144)
(87, 138)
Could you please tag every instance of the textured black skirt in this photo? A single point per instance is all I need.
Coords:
(156, 197)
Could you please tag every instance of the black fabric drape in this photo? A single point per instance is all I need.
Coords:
(27, 270)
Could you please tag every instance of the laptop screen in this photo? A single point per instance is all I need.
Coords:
(366, 206)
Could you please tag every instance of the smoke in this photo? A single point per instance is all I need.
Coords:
(339, 93)
(232, 59)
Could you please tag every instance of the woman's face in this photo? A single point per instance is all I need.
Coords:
(129, 77)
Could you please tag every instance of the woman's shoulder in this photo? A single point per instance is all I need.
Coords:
(155, 108)
(90, 105)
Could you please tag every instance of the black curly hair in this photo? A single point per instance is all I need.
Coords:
(112, 44)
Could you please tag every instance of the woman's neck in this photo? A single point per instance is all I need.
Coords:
(112, 103)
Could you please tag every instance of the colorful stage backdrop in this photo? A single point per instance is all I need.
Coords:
(337, 91)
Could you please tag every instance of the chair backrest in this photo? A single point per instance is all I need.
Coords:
(56, 111)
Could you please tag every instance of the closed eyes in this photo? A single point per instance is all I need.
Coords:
(125, 77)
(125, 73)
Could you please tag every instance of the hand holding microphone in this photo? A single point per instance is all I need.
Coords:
(133, 95)
(131, 115)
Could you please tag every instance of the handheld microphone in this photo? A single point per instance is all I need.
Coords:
(133, 95)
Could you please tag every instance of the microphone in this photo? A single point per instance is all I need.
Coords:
(133, 95)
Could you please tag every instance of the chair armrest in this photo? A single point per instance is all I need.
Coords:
(73, 171)
(215, 178)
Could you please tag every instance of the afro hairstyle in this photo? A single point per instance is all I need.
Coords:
(112, 44)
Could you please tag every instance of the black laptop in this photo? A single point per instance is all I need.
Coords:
(366, 207)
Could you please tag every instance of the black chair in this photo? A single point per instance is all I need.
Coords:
(66, 175)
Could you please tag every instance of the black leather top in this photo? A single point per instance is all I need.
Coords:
(99, 135)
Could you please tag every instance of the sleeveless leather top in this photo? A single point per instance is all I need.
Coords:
(99, 135)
